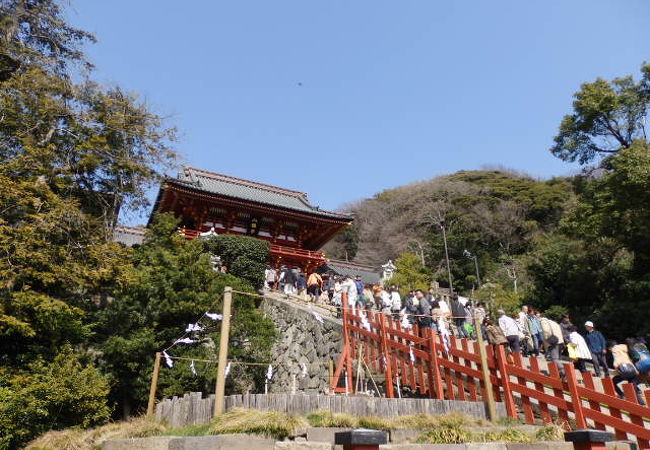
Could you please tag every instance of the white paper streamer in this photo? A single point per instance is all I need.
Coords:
(364, 321)
(269, 372)
(444, 332)
(405, 323)
(185, 341)
(214, 316)
(193, 368)
(227, 371)
(318, 317)
(169, 362)
(304, 370)
(192, 327)
(411, 355)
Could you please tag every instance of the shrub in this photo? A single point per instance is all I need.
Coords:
(246, 257)
(272, 424)
(77, 439)
(324, 418)
(61, 394)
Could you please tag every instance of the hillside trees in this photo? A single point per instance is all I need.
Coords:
(494, 214)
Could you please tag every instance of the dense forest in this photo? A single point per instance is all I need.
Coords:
(576, 244)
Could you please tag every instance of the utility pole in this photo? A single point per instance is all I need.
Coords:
(444, 238)
(223, 352)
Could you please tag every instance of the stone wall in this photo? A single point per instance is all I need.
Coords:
(302, 339)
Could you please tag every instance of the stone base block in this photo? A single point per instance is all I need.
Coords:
(152, 443)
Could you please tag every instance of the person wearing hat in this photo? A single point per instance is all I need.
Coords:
(598, 348)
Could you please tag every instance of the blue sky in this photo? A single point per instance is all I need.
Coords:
(342, 99)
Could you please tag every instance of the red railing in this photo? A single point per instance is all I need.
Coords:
(422, 362)
(292, 251)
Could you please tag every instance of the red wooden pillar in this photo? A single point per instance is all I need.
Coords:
(575, 395)
(435, 380)
(387, 358)
(505, 382)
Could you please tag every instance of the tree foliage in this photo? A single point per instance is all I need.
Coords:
(55, 395)
(607, 116)
(410, 274)
(244, 256)
(172, 284)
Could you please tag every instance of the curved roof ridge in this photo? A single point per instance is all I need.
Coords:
(254, 184)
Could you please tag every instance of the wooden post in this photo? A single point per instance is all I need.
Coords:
(435, 379)
(505, 382)
(346, 341)
(330, 369)
(390, 393)
(488, 394)
(154, 385)
(575, 395)
(223, 352)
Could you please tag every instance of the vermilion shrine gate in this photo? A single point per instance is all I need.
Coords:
(208, 201)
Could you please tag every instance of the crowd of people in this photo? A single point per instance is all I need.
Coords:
(528, 332)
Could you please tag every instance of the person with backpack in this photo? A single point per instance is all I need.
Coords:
(553, 341)
(598, 348)
(639, 354)
(624, 370)
(494, 333)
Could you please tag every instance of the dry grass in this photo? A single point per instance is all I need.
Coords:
(77, 439)
(267, 423)
(326, 418)
(551, 432)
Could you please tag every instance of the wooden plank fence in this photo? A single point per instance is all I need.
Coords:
(452, 370)
(192, 409)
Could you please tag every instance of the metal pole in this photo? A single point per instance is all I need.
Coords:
(444, 238)
(154, 385)
(487, 382)
(223, 352)
(478, 276)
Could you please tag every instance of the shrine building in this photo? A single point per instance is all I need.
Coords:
(209, 202)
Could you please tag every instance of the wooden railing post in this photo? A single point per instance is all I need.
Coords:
(346, 338)
(575, 396)
(435, 382)
(390, 393)
(505, 382)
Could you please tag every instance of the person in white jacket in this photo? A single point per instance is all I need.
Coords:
(581, 349)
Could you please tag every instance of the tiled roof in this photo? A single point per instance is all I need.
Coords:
(368, 274)
(238, 188)
(128, 236)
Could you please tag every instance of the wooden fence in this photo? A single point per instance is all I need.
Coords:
(425, 364)
(192, 409)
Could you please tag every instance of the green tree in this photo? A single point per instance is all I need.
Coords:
(245, 257)
(54, 395)
(173, 283)
(607, 117)
(495, 297)
(410, 274)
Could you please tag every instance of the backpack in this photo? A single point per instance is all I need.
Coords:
(627, 371)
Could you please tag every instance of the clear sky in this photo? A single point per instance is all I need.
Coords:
(344, 98)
